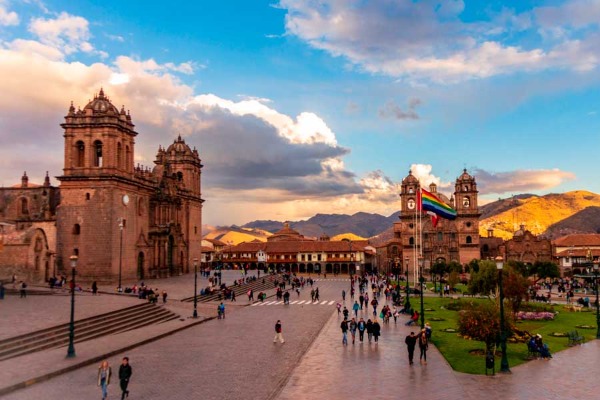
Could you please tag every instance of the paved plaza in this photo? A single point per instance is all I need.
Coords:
(236, 358)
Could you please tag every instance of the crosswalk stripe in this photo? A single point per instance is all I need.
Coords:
(331, 302)
(301, 301)
(294, 302)
(255, 304)
(279, 302)
(324, 302)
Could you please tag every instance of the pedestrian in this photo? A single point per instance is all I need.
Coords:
(312, 295)
(362, 300)
(94, 288)
(376, 330)
(278, 333)
(428, 330)
(344, 327)
(339, 308)
(343, 295)
(104, 373)
(23, 290)
(345, 312)
(369, 330)
(352, 327)
(395, 315)
(1, 291)
(361, 326)
(356, 307)
(411, 341)
(125, 372)
(374, 303)
(317, 294)
(423, 345)
(221, 311)
(164, 296)
(250, 295)
(233, 296)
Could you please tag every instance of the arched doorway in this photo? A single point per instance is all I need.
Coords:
(329, 268)
(140, 266)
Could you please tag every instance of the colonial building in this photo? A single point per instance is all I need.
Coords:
(121, 220)
(526, 247)
(288, 250)
(450, 240)
(576, 253)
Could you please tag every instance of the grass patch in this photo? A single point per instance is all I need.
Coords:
(464, 355)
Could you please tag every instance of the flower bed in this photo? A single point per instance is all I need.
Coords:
(537, 316)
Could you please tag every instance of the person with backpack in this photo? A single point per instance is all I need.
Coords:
(221, 311)
(278, 332)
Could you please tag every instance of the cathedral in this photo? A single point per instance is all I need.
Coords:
(121, 220)
(449, 240)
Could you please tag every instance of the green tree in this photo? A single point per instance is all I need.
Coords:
(453, 279)
(455, 266)
(439, 269)
(519, 266)
(544, 269)
(515, 287)
(481, 321)
(472, 266)
(485, 280)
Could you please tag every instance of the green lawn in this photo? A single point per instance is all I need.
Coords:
(456, 349)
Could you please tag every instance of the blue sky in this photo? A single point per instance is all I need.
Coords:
(299, 107)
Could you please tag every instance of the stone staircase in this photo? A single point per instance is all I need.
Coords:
(240, 290)
(119, 321)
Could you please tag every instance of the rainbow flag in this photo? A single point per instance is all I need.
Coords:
(429, 202)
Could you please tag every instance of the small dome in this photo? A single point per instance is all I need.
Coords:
(410, 178)
(465, 176)
(179, 146)
(101, 104)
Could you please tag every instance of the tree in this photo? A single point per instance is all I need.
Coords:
(439, 268)
(519, 266)
(485, 280)
(453, 279)
(515, 287)
(545, 269)
(454, 267)
(481, 321)
(472, 266)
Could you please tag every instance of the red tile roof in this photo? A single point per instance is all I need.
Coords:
(579, 240)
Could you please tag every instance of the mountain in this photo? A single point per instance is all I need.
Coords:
(551, 215)
(361, 224)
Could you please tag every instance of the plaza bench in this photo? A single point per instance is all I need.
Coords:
(575, 338)
(532, 352)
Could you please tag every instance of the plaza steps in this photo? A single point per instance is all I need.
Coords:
(240, 290)
(118, 321)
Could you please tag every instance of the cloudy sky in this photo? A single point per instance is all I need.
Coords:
(306, 106)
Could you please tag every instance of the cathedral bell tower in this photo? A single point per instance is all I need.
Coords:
(466, 205)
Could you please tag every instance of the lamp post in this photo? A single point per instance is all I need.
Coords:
(407, 303)
(195, 315)
(119, 289)
(71, 349)
(596, 266)
(421, 280)
(504, 363)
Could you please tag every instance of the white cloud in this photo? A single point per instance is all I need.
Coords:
(427, 41)
(520, 181)
(7, 18)
(67, 33)
(423, 173)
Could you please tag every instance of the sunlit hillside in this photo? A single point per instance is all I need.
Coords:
(348, 236)
(537, 213)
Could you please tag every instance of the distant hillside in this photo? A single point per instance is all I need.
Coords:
(585, 221)
(540, 213)
(236, 235)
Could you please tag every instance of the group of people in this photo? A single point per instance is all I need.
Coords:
(372, 328)
(423, 340)
(105, 375)
(536, 345)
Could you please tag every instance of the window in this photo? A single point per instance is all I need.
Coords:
(76, 229)
(468, 224)
(195, 230)
(180, 176)
(440, 237)
(469, 240)
(411, 241)
(76, 252)
(119, 156)
(24, 206)
(87, 196)
(79, 154)
(97, 153)
(310, 257)
(318, 257)
(411, 225)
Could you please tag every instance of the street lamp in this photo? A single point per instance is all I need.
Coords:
(597, 304)
(421, 280)
(504, 363)
(195, 315)
(120, 252)
(407, 303)
(71, 349)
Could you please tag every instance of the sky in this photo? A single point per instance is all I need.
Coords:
(315, 106)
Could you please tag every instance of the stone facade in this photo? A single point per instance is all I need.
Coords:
(450, 240)
(120, 220)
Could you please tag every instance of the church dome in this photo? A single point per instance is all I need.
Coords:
(410, 178)
(101, 104)
(465, 176)
(179, 147)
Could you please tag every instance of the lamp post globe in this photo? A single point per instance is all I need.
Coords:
(195, 315)
(71, 348)
(504, 362)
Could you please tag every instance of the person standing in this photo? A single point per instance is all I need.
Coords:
(233, 296)
(1, 290)
(221, 311)
(94, 288)
(411, 342)
(376, 330)
(423, 345)
(164, 296)
(374, 303)
(104, 373)
(23, 289)
(125, 372)
(362, 300)
(369, 330)
(344, 327)
(352, 327)
(343, 295)
(278, 333)
(345, 312)
(361, 326)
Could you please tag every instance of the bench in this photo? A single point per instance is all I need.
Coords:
(532, 352)
(575, 338)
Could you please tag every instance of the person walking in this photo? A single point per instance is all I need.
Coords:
(395, 315)
(278, 332)
(356, 307)
(411, 342)
(104, 373)
(344, 327)
(317, 294)
(125, 372)
(23, 290)
(339, 308)
(352, 328)
(343, 295)
(423, 345)
(369, 329)
(164, 296)
(94, 288)
(374, 303)
(362, 300)
(221, 311)
(361, 326)
(345, 312)
(376, 330)
(233, 296)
